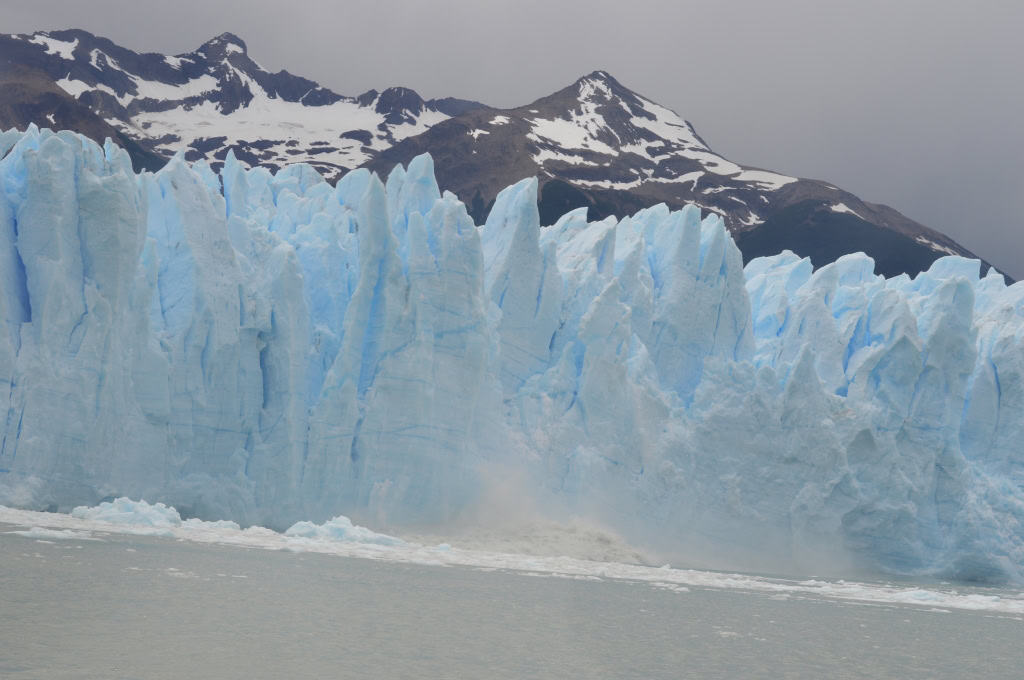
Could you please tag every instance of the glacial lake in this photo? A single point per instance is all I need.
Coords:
(92, 604)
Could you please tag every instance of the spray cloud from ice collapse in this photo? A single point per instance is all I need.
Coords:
(269, 348)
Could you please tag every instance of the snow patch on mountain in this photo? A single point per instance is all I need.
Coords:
(151, 89)
(770, 181)
(76, 87)
(651, 132)
(843, 208)
(283, 129)
(62, 48)
(580, 131)
(175, 62)
(935, 246)
(545, 154)
(226, 103)
(666, 124)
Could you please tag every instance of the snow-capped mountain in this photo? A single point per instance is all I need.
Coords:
(596, 134)
(216, 98)
(593, 144)
(597, 144)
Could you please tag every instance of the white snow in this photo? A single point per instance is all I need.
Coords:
(609, 184)
(680, 138)
(477, 132)
(843, 208)
(770, 181)
(266, 118)
(545, 154)
(667, 125)
(579, 132)
(271, 118)
(751, 219)
(152, 89)
(500, 120)
(688, 177)
(712, 162)
(76, 87)
(146, 89)
(935, 246)
(590, 86)
(427, 119)
(62, 48)
(650, 150)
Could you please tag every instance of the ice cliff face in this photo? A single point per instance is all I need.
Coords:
(269, 348)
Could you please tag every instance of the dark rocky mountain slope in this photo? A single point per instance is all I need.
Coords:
(600, 145)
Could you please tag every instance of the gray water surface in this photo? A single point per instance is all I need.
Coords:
(143, 607)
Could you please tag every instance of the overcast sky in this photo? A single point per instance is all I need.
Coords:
(919, 105)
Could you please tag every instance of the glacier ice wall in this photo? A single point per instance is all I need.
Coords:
(269, 348)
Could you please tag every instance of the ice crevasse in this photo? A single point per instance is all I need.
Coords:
(270, 348)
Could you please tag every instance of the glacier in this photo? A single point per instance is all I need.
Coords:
(271, 349)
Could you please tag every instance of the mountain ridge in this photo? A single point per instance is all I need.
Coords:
(594, 143)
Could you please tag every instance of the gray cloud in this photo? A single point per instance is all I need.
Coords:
(914, 104)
